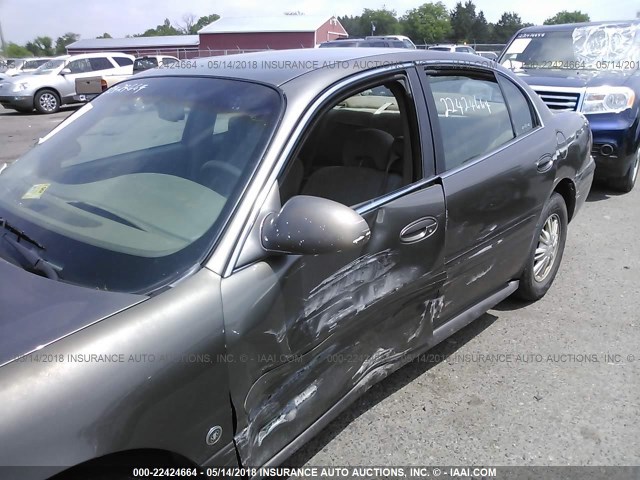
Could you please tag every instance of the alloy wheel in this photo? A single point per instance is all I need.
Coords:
(547, 249)
(48, 102)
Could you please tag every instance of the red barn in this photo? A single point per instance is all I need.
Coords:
(275, 33)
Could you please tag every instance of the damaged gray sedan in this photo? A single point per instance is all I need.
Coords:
(204, 266)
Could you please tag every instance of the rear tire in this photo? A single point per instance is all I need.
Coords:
(47, 101)
(626, 183)
(545, 257)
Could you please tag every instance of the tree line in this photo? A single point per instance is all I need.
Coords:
(432, 23)
(429, 23)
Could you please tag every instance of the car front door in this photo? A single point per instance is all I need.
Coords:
(305, 332)
(495, 161)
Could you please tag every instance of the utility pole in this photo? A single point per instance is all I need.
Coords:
(3, 45)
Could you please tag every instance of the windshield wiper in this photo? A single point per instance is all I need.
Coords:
(34, 262)
(19, 233)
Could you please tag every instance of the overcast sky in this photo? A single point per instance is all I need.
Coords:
(23, 20)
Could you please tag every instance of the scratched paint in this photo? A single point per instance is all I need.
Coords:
(479, 275)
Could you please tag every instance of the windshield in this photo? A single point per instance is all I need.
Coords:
(33, 64)
(48, 67)
(145, 63)
(595, 47)
(133, 190)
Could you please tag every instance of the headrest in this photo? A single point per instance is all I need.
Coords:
(368, 147)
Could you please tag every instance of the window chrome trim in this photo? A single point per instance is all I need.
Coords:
(224, 258)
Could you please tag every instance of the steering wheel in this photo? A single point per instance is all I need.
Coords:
(215, 175)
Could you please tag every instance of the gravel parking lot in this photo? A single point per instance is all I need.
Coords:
(552, 383)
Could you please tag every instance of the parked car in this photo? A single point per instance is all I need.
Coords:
(53, 84)
(487, 54)
(406, 40)
(210, 279)
(88, 88)
(153, 61)
(452, 48)
(591, 68)
(19, 66)
(367, 43)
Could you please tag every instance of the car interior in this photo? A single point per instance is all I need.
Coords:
(356, 150)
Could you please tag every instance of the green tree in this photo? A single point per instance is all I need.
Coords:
(41, 46)
(105, 35)
(13, 50)
(378, 22)
(164, 28)
(480, 31)
(567, 17)
(66, 39)
(462, 20)
(203, 22)
(353, 26)
(509, 23)
(429, 23)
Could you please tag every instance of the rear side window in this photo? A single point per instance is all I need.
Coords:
(472, 115)
(123, 61)
(521, 112)
(100, 63)
(168, 61)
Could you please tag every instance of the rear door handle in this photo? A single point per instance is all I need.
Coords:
(419, 230)
(545, 163)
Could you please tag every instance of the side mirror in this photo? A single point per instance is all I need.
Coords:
(312, 225)
(65, 71)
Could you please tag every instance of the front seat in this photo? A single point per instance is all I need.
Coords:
(364, 174)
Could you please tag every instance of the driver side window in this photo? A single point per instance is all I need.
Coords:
(359, 149)
(79, 66)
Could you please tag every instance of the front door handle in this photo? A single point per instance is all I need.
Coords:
(419, 230)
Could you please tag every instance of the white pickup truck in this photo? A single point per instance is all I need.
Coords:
(90, 87)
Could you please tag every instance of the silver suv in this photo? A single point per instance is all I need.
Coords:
(54, 83)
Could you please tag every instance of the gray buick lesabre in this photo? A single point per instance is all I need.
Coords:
(204, 266)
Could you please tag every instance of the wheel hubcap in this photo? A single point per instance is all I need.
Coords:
(547, 248)
(48, 102)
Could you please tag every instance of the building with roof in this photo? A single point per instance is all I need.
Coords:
(226, 35)
(273, 33)
(181, 46)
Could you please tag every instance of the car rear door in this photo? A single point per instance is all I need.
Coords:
(305, 332)
(497, 172)
(83, 68)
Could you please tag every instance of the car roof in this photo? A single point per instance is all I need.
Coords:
(97, 54)
(324, 65)
(571, 26)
